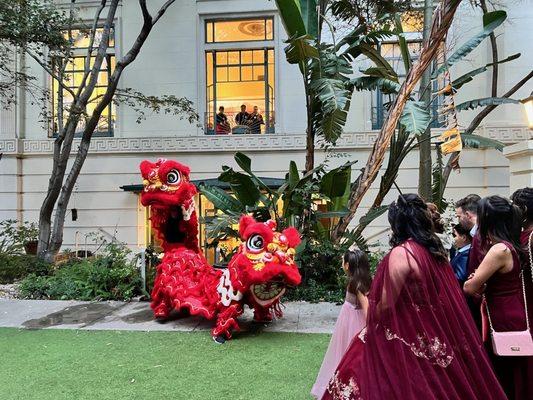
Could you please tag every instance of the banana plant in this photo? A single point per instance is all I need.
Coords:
(290, 205)
(326, 67)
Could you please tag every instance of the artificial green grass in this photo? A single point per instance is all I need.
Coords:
(75, 365)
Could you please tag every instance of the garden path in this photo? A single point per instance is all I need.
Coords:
(300, 317)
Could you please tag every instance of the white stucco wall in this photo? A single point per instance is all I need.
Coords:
(171, 62)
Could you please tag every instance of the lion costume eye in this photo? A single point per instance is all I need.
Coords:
(255, 242)
(173, 177)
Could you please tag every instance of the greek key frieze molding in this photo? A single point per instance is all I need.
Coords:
(9, 146)
(275, 142)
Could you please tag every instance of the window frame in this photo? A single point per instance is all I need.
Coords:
(205, 47)
(212, 21)
(81, 52)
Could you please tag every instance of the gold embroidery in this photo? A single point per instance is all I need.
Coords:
(342, 391)
(432, 350)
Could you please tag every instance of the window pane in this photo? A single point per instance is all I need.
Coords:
(269, 29)
(233, 57)
(209, 68)
(209, 32)
(412, 21)
(242, 30)
(234, 74)
(258, 73)
(246, 57)
(222, 58)
(259, 56)
(246, 73)
(271, 56)
(222, 74)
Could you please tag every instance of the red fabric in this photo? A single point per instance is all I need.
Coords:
(476, 254)
(184, 280)
(420, 341)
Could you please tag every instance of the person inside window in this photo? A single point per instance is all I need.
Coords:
(242, 117)
(462, 242)
(255, 120)
(222, 125)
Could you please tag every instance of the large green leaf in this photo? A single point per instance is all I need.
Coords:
(380, 73)
(310, 16)
(480, 142)
(291, 17)
(244, 162)
(294, 176)
(469, 76)
(373, 214)
(486, 101)
(242, 186)
(333, 183)
(221, 199)
(372, 83)
(334, 101)
(300, 49)
(415, 117)
(377, 59)
(332, 125)
(404, 49)
(491, 21)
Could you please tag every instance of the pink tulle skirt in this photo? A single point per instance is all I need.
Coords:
(349, 323)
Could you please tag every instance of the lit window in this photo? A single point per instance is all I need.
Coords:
(73, 76)
(239, 30)
(240, 77)
(412, 25)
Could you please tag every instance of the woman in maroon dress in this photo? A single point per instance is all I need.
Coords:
(499, 276)
(420, 341)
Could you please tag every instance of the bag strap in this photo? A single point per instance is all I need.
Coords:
(523, 288)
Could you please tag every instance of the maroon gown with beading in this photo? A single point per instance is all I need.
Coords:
(420, 341)
(505, 301)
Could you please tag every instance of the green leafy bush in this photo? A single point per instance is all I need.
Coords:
(111, 276)
(17, 266)
(13, 236)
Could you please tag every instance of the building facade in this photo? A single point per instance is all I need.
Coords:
(229, 53)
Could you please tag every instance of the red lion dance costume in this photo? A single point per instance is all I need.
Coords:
(257, 275)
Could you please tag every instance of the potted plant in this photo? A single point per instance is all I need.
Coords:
(28, 234)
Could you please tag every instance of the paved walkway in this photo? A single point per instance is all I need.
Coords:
(299, 317)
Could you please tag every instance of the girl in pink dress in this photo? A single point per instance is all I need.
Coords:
(351, 318)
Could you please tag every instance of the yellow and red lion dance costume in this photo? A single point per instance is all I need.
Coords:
(257, 275)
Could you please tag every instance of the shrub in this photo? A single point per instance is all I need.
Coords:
(111, 276)
(17, 266)
(13, 236)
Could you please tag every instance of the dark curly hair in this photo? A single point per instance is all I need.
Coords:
(500, 221)
(523, 198)
(410, 218)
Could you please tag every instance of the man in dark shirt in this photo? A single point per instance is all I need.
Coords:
(255, 120)
(222, 126)
(242, 117)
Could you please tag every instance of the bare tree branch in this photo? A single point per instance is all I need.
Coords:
(48, 70)
(91, 43)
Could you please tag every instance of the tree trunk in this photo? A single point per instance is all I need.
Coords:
(66, 192)
(441, 23)
(62, 149)
(424, 170)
